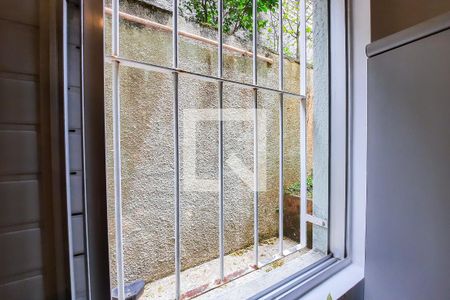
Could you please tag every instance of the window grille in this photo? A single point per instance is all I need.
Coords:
(118, 61)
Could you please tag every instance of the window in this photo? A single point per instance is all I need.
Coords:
(220, 161)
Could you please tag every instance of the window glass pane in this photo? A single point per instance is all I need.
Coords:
(147, 147)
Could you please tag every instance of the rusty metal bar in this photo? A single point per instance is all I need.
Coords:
(156, 25)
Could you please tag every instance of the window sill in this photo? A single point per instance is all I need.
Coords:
(332, 277)
(338, 284)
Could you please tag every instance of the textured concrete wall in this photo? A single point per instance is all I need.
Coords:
(147, 149)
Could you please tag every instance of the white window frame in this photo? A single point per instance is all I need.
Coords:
(349, 33)
(358, 16)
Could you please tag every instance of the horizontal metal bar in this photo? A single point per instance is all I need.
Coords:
(316, 221)
(170, 70)
(152, 24)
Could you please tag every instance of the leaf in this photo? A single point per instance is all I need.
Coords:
(329, 297)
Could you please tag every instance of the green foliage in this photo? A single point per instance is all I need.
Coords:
(237, 13)
(329, 297)
(294, 189)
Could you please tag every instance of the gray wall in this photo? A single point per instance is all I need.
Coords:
(356, 293)
(408, 171)
(390, 16)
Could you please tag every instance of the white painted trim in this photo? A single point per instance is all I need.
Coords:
(360, 31)
(337, 285)
(338, 129)
(344, 280)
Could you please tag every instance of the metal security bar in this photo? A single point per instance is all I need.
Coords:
(176, 149)
(117, 156)
(158, 26)
(255, 132)
(118, 61)
(303, 78)
(281, 87)
(221, 155)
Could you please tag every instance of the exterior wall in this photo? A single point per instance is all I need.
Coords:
(147, 149)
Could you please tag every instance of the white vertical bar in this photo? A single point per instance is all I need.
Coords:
(255, 41)
(117, 178)
(115, 28)
(303, 79)
(221, 186)
(175, 34)
(255, 134)
(281, 178)
(67, 155)
(221, 154)
(280, 46)
(177, 191)
(255, 179)
(176, 152)
(220, 39)
(116, 144)
(281, 144)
